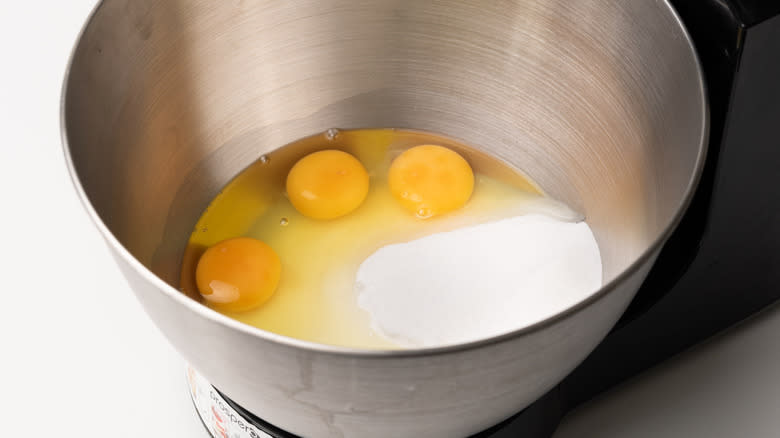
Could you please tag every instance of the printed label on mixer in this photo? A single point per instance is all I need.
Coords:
(220, 419)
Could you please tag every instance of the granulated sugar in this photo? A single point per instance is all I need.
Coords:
(478, 281)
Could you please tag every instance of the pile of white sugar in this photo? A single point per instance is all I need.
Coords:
(478, 281)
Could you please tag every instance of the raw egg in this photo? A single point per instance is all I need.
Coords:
(238, 274)
(313, 203)
(327, 184)
(431, 180)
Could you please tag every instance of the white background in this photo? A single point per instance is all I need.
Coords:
(80, 358)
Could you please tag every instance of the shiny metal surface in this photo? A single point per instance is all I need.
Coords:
(600, 102)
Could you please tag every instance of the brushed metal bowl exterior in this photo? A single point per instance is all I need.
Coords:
(601, 102)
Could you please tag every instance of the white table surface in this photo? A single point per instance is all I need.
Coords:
(80, 358)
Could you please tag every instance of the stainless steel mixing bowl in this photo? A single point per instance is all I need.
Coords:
(601, 102)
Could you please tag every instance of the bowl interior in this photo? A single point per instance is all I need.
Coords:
(167, 100)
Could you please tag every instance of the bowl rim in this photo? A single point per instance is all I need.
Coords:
(352, 352)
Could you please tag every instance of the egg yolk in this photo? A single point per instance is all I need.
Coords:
(238, 274)
(327, 184)
(430, 180)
